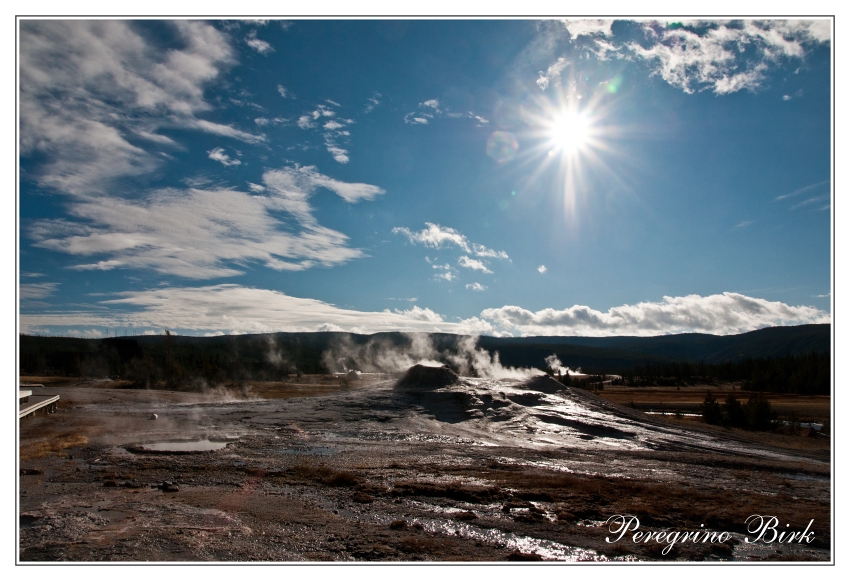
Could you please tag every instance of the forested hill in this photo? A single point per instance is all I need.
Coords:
(695, 347)
(267, 356)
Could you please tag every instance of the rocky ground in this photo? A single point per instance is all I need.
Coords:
(432, 468)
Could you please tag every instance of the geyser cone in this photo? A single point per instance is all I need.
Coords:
(543, 383)
(422, 376)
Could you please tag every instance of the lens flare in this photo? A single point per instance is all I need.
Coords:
(502, 146)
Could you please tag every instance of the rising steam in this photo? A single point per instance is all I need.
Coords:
(554, 364)
(380, 355)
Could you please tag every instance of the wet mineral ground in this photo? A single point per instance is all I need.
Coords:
(428, 468)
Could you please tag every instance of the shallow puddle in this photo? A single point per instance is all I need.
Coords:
(184, 446)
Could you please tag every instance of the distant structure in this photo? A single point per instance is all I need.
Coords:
(29, 404)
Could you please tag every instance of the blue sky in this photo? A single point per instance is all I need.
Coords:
(534, 177)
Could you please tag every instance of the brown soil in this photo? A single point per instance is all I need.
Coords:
(364, 474)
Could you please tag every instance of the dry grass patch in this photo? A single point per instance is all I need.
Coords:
(43, 448)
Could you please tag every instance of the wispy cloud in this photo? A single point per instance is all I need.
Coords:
(373, 102)
(431, 109)
(552, 73)
(284, 92)
(230, 308)
(744, 224)
(542, 268)
(471, 263)
(476, 287)
(261, 46)
(721, 314)
(224, 130)
(218, 155)
(588, 27)
(720, 56)
(335, 129)
(802, 190)
(207, 233)
(436, 236)
(808, 202)
(85, 86)
(37, 290)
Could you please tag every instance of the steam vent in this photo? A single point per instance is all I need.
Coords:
(420, 376)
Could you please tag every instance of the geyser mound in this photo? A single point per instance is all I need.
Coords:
(423, 376)
(543, 383)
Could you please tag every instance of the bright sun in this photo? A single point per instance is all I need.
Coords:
(570, 131)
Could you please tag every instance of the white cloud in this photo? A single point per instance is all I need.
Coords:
(261, 46)
(484, 252)
(436, 236)
(100, 265)
(722, 314)
(284, 92)
(256, 187)
(261, 121)
(553, 72)
(809, 201)
(471, 263)
(588, 27)
(448, 275)
(156, 138)
(334, 129)
(350, 192)
(218, 155)
(420, 314)
(85, 84)
(802, 190)
(224, 130)
(744, 224)
(542, 268)
(714, 60)
(339, 154)
(721, 56)
(231, 308)
(476, 287)
(206, 233)
(372, 102)
(409, 118)
(431, 109)
(37, 290)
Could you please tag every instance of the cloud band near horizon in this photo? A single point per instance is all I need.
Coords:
(236, 309)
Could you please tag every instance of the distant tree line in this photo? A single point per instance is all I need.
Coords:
(168, 360)
(808, 373)
(755, 415)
